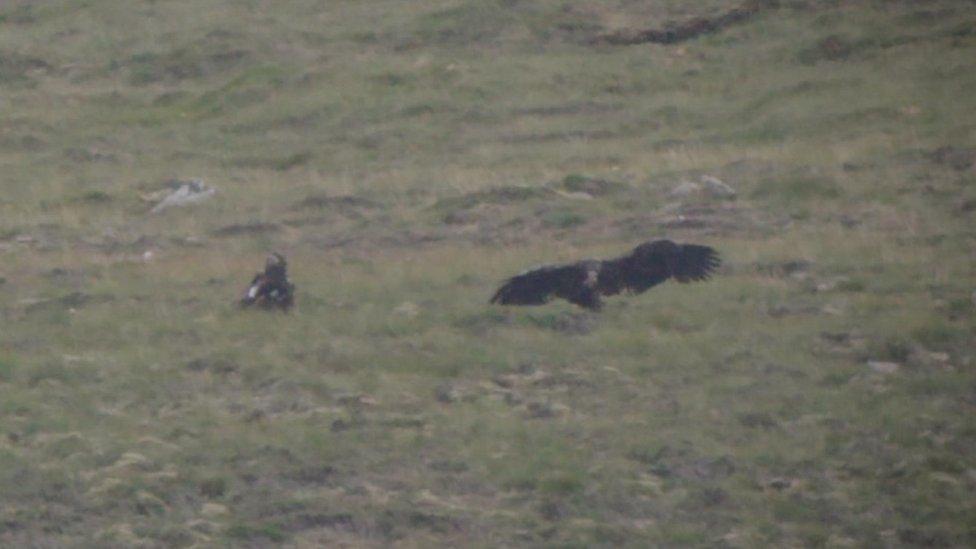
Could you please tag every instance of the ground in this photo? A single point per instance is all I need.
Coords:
(407, 158)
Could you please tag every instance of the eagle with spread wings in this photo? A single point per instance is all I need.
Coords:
(584, 282)
(271, 289)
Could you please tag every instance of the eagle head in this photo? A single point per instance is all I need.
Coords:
(276, 265)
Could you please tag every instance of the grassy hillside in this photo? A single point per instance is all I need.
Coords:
(408, 156)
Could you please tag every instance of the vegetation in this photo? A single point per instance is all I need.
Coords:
(406, 157)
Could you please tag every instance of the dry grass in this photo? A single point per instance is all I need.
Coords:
(408, 158)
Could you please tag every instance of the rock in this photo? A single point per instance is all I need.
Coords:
(214, 510)
(546, 410)
(189, 192)
(956, 158)
(589, 187)
(201, 525)
(833, 309)
(578, 195)
(717, 188)
(123, 535)
(149, 504)
(132, 461)
(923, 358)
(250, 228)
(446, 393)
(883, 367)
(780, 483)
(831, 284)
(798, 269)
(408, 309)
(356, 400)
(710, 186)
(686, 189)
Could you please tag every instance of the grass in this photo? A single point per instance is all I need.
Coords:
(406, 159)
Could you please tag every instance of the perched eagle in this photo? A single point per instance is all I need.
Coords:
(584, 282)
(271, 288)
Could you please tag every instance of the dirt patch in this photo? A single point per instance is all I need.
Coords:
(498, 195)
(559, 136)
(239, 229)
(585, 107)
(718, 218)
(566, 323)
(278, 164)
(793, 267)
(353, 207)
(681, 32)
(340, 202)
(74, 300)
(832, 48)
(955, 157)
(180, 64)
(592, 186)
(15, 67)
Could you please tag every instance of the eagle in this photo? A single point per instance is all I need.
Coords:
(582, 283)
(271, 289)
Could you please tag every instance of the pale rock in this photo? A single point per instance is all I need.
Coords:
(408, 309)
(202, 525)
(149, 503)
(123, 535)
(188, 193)
(883, 367)
(686, 189)
(717, 188)
(214, 510)
(131, 460)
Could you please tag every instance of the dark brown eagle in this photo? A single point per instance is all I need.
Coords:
(584, 282)
(271, 289)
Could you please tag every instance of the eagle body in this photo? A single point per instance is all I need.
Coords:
(584, 282)
(271, 289)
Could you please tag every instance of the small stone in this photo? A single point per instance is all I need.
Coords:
(408, 309)
(214, 510)
(123, 534)
(201, 525)
(717, 188)
(831, 284)
(685, 189)
(883, 367)
(149, 504)
(575, 195)
(545, 410)
(446, 393)
(189, 192)
(132, 461)
(357, 400)
(833, 310)
(780, 483)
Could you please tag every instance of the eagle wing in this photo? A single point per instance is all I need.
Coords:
(575, 283)
(652, 263)
(693, 263)
(253, 290)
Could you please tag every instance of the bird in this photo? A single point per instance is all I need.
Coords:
(584, 282)
(271, 289)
